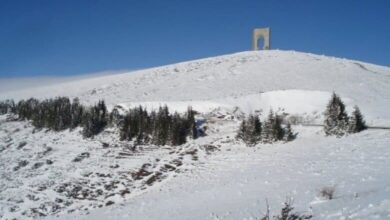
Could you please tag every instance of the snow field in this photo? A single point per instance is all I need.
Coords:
(61, 175)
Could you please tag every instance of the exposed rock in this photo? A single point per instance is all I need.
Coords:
(21, 164)
(155, 177)
(81, 157)
(21, 145)
(105, 145)
(109, 203)
(37, 165)
(141, 173)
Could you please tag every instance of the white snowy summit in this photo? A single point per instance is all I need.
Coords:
(60, 174)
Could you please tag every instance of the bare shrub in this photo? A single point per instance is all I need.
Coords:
(286, 213)
(327, 192)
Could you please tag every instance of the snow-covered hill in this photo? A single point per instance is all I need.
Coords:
(214, 177)
(235, 76)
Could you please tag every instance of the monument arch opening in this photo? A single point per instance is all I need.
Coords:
(260, 42)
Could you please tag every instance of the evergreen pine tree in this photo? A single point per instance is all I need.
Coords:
(267, 135)
(143, 126)
(7, 106)
(254, 129)
(95, 119)
(163, 126)
(191, 123)
(38, 118)
(177, 130)
(115, 117)
(356, 122)
(3, 108)
(288, 134)
(76, 113)
(336, 119)
(250, 130)
(278, 131)
(242, 131)
(63, 113)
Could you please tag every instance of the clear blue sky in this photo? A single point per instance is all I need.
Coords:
(50, 37)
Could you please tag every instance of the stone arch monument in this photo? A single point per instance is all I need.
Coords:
(263, 33)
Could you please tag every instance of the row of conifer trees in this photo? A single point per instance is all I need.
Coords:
(338, 123)
(253, 131)
(7, 106)
(59, 114)
(158, 127)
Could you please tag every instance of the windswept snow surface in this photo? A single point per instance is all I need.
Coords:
(235, 183)
(234, 76)
(61, 175)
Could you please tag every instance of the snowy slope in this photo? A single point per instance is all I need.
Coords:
(214, 177)
(231, 76)
(235, 183)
